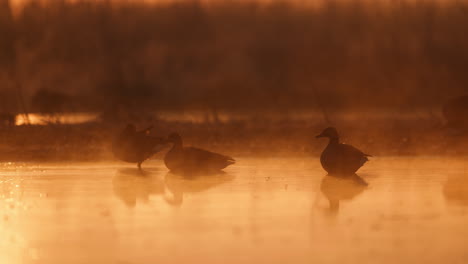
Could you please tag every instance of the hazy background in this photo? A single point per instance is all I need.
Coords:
(137, 62)
(234, 55)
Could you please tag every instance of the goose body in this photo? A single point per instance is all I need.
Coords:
(338, 158)
(455, 112)
(136, 146)
(191, 160)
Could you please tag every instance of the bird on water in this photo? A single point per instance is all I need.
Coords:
(338, 158)
(136, 146)
(190, 160)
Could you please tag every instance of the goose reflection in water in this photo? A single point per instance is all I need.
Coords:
(134, 186)
(455, 189)
(178, 184)
(337, 189)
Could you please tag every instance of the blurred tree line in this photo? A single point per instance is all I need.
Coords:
(105, 56)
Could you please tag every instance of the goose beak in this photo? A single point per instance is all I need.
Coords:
(319, 136)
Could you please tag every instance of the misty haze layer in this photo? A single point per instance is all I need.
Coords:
(98, 56)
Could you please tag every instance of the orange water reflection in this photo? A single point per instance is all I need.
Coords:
(260, 211)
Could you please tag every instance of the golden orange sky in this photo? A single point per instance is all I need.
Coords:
(17, 4)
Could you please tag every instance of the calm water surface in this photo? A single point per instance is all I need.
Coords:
(413, 210)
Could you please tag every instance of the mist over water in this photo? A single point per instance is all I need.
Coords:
(90, 88)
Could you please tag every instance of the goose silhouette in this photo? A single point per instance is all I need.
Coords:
(190, 160)
(340, 159)
(136, 146)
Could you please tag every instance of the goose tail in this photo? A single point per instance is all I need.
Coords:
(230, 161)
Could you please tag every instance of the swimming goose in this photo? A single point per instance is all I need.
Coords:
(338, 158)
(193, 160)
(136, 146)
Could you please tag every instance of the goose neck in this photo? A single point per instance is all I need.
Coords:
(177, 145)
(334, 141)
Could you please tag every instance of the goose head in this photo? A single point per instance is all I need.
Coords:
(329, 132)
(175, 139)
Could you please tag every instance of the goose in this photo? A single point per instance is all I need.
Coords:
(192, 160)
(338, 158)
(136, 146)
